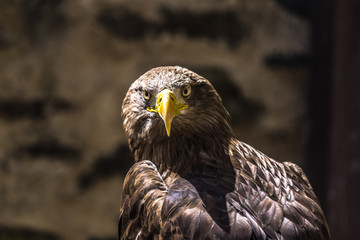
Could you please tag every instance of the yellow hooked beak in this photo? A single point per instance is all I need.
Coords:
(167, 107)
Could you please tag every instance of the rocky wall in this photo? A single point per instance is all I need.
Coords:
(65, 67)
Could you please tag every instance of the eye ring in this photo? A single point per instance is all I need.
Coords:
(186, 91)
(146, 95)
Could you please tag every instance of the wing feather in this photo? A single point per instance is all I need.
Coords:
(141, 204)
(279, 201)
(260, 199)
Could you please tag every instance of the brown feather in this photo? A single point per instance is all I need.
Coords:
(202, 183)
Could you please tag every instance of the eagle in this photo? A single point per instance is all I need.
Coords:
(192, 179)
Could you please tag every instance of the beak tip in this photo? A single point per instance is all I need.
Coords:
(168, 132)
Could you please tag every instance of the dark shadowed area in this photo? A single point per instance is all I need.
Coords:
(287, 71)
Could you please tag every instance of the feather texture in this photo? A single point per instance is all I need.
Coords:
(201, 182)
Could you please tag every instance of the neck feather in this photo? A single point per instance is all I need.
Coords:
(181, 153)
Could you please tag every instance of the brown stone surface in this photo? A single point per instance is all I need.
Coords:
(65, 67)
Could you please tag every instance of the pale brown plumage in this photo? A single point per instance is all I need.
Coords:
(200, 182)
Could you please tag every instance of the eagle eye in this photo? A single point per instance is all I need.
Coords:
(146, 95)
(186, 91)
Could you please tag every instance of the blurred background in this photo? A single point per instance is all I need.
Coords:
(288, 72)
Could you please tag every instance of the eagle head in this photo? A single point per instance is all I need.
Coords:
(173, 106)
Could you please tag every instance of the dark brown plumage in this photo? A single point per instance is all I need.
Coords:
(200, 182)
